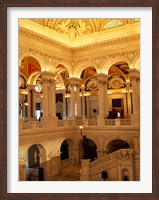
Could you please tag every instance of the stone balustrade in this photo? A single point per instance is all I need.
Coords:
(35, 125)
(119, 154)
(66, 162)
(88, 169)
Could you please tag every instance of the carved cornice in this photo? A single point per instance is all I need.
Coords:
(112, 41)
(98, 60)
(42, 38)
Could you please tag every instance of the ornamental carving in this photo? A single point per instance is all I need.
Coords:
(116, 82)
(73, 29)
(92, 84)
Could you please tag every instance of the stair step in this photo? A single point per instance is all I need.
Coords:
(66, 176)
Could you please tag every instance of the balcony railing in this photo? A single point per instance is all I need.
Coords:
(92, 122)
(110, 122)
(51, 125)
(125, 122)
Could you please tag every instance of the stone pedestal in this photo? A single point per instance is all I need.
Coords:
(101, 121)
(85, 170)
(55, 165)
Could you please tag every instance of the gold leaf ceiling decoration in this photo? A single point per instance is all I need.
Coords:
(75, 28)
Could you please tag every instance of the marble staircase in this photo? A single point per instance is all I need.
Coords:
(70, 173)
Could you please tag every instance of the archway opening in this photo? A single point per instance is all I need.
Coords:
(29, 69)
(64, 150)
(115, 145)
(35, 159)
(87, 149)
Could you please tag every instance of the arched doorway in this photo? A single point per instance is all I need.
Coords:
(87, 149)
(35, 158)
(64, 150)
(115, 145)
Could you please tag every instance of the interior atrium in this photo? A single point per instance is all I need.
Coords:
(79, 99)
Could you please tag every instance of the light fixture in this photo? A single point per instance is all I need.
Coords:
(81, 128)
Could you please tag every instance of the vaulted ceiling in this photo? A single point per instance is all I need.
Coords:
(75, 28)
(79, 32)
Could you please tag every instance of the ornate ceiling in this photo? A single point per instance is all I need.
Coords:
(75, 28)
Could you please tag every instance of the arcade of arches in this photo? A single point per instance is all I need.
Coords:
(79, 73)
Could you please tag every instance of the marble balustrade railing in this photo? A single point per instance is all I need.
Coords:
(106, 159)
(31, 125)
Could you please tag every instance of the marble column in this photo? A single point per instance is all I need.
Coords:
(48, 79)
(72, 101)
(129, 110)
(78, 100)
(30, 111)
(83, 102)
(64, 105)
(45, 98)
(34, 103)
(29, 102)
(103, 95)
(101, 98)
(138, 91)
(75, 95)
(52, 97)
(106, 109)
(134, 75)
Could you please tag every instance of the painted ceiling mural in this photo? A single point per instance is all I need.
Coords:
(119, 68)
(29, 65)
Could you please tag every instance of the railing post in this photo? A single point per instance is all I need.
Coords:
(85, 170)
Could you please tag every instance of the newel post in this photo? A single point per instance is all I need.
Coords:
(85, 170)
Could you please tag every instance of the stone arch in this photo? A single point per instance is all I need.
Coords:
(36, 56)
(107, 64)
(83, 65)
(61, 80)
(71, 147)
(42, 149)
(36, 74)
(67, 66)
(87, 148)
(136, 62)
(23, 75)
(115, 144)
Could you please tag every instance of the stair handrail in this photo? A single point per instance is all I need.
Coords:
(121, 153)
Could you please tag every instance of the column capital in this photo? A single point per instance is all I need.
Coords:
(75, 81)
(48, 76)
(102, 77)
(134, 73)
